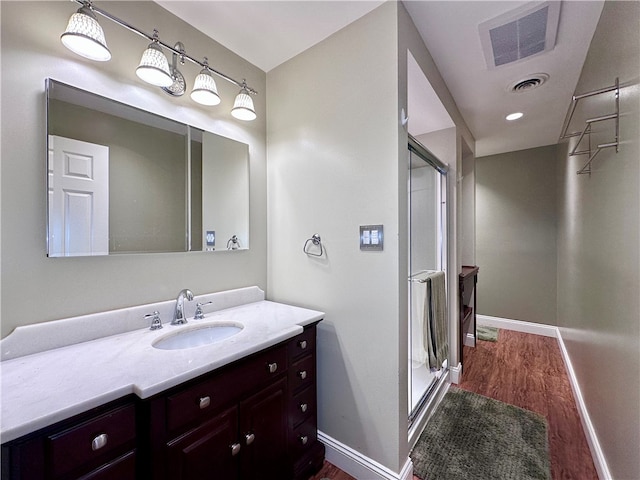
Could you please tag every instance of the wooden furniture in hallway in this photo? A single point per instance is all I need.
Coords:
(467, 280)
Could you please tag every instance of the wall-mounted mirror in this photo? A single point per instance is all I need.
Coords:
(123, 180)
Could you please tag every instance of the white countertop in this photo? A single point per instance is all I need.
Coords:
(45, 387)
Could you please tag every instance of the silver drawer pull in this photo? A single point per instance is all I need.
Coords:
(304, 439)
(273, 367)
(304, 407)
(235, 449)
(303, 374)
(249, 438)
(205, 402)
(99, 442)
(303, 344)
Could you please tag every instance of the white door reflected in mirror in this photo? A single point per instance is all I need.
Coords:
(78, 198)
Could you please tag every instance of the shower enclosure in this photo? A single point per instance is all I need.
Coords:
(427, 257)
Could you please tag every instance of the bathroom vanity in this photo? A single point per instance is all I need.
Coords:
(240, 408)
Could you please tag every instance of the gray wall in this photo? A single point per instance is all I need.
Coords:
(516, 229)
(333, 166)
(598, 245)
(63, 287)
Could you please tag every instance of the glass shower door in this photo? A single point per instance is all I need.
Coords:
(427, 255)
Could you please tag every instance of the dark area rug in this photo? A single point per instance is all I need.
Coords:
(475, 437)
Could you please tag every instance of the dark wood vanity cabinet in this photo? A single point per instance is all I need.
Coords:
(253, 419)
(228, 424)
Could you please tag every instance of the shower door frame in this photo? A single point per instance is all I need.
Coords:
(415, 147)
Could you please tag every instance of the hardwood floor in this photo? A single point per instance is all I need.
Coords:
(331, 472)
(527, 371)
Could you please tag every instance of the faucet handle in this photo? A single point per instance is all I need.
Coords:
(199, 315)
(156, 323)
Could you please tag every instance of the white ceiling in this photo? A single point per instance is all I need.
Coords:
(268, 33)
(274, 31)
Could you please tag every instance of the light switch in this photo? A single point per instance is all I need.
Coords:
(211, 239)
(371, 237)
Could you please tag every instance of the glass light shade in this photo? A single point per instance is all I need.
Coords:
(85, 36)
(243, 106)
(204, 90)
(154, 67)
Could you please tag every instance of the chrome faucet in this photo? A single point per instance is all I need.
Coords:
(178, 315)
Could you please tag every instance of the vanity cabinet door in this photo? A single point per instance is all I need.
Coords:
(208, 451)
(263, 433)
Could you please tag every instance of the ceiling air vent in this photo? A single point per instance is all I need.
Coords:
(529, 83)
(520, 34)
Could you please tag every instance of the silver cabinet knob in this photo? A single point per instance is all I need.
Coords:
(235, 449)
(303, 374)
(303, 344)
(303, 407)
(304, 439)
(205, 402)
(249, 438)
(273, 367)
(99, 442)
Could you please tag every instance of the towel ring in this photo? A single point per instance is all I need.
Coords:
(233, 243)
(315, 240)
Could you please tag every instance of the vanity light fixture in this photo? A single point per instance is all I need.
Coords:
(243, 105)
(514, 116)
(154, 66)
(205, 91)
(85, 37)
(178, 87)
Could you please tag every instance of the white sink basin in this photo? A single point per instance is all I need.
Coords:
(198, 336)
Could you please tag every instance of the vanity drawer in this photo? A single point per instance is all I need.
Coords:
(91, 441)
(302, 405)
(122, 468)
(304, 437)
(199, 401)
(303, 344)
(303, 372)
(206, 397)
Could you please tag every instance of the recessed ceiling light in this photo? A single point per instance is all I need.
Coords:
(514, 116)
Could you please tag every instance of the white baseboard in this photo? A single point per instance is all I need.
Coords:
(597, 454)
(517, 325)
(359, 466)
(456, 373)
(599, 459)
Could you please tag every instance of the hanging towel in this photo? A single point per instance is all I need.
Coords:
(435, 336)
(418, 350)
